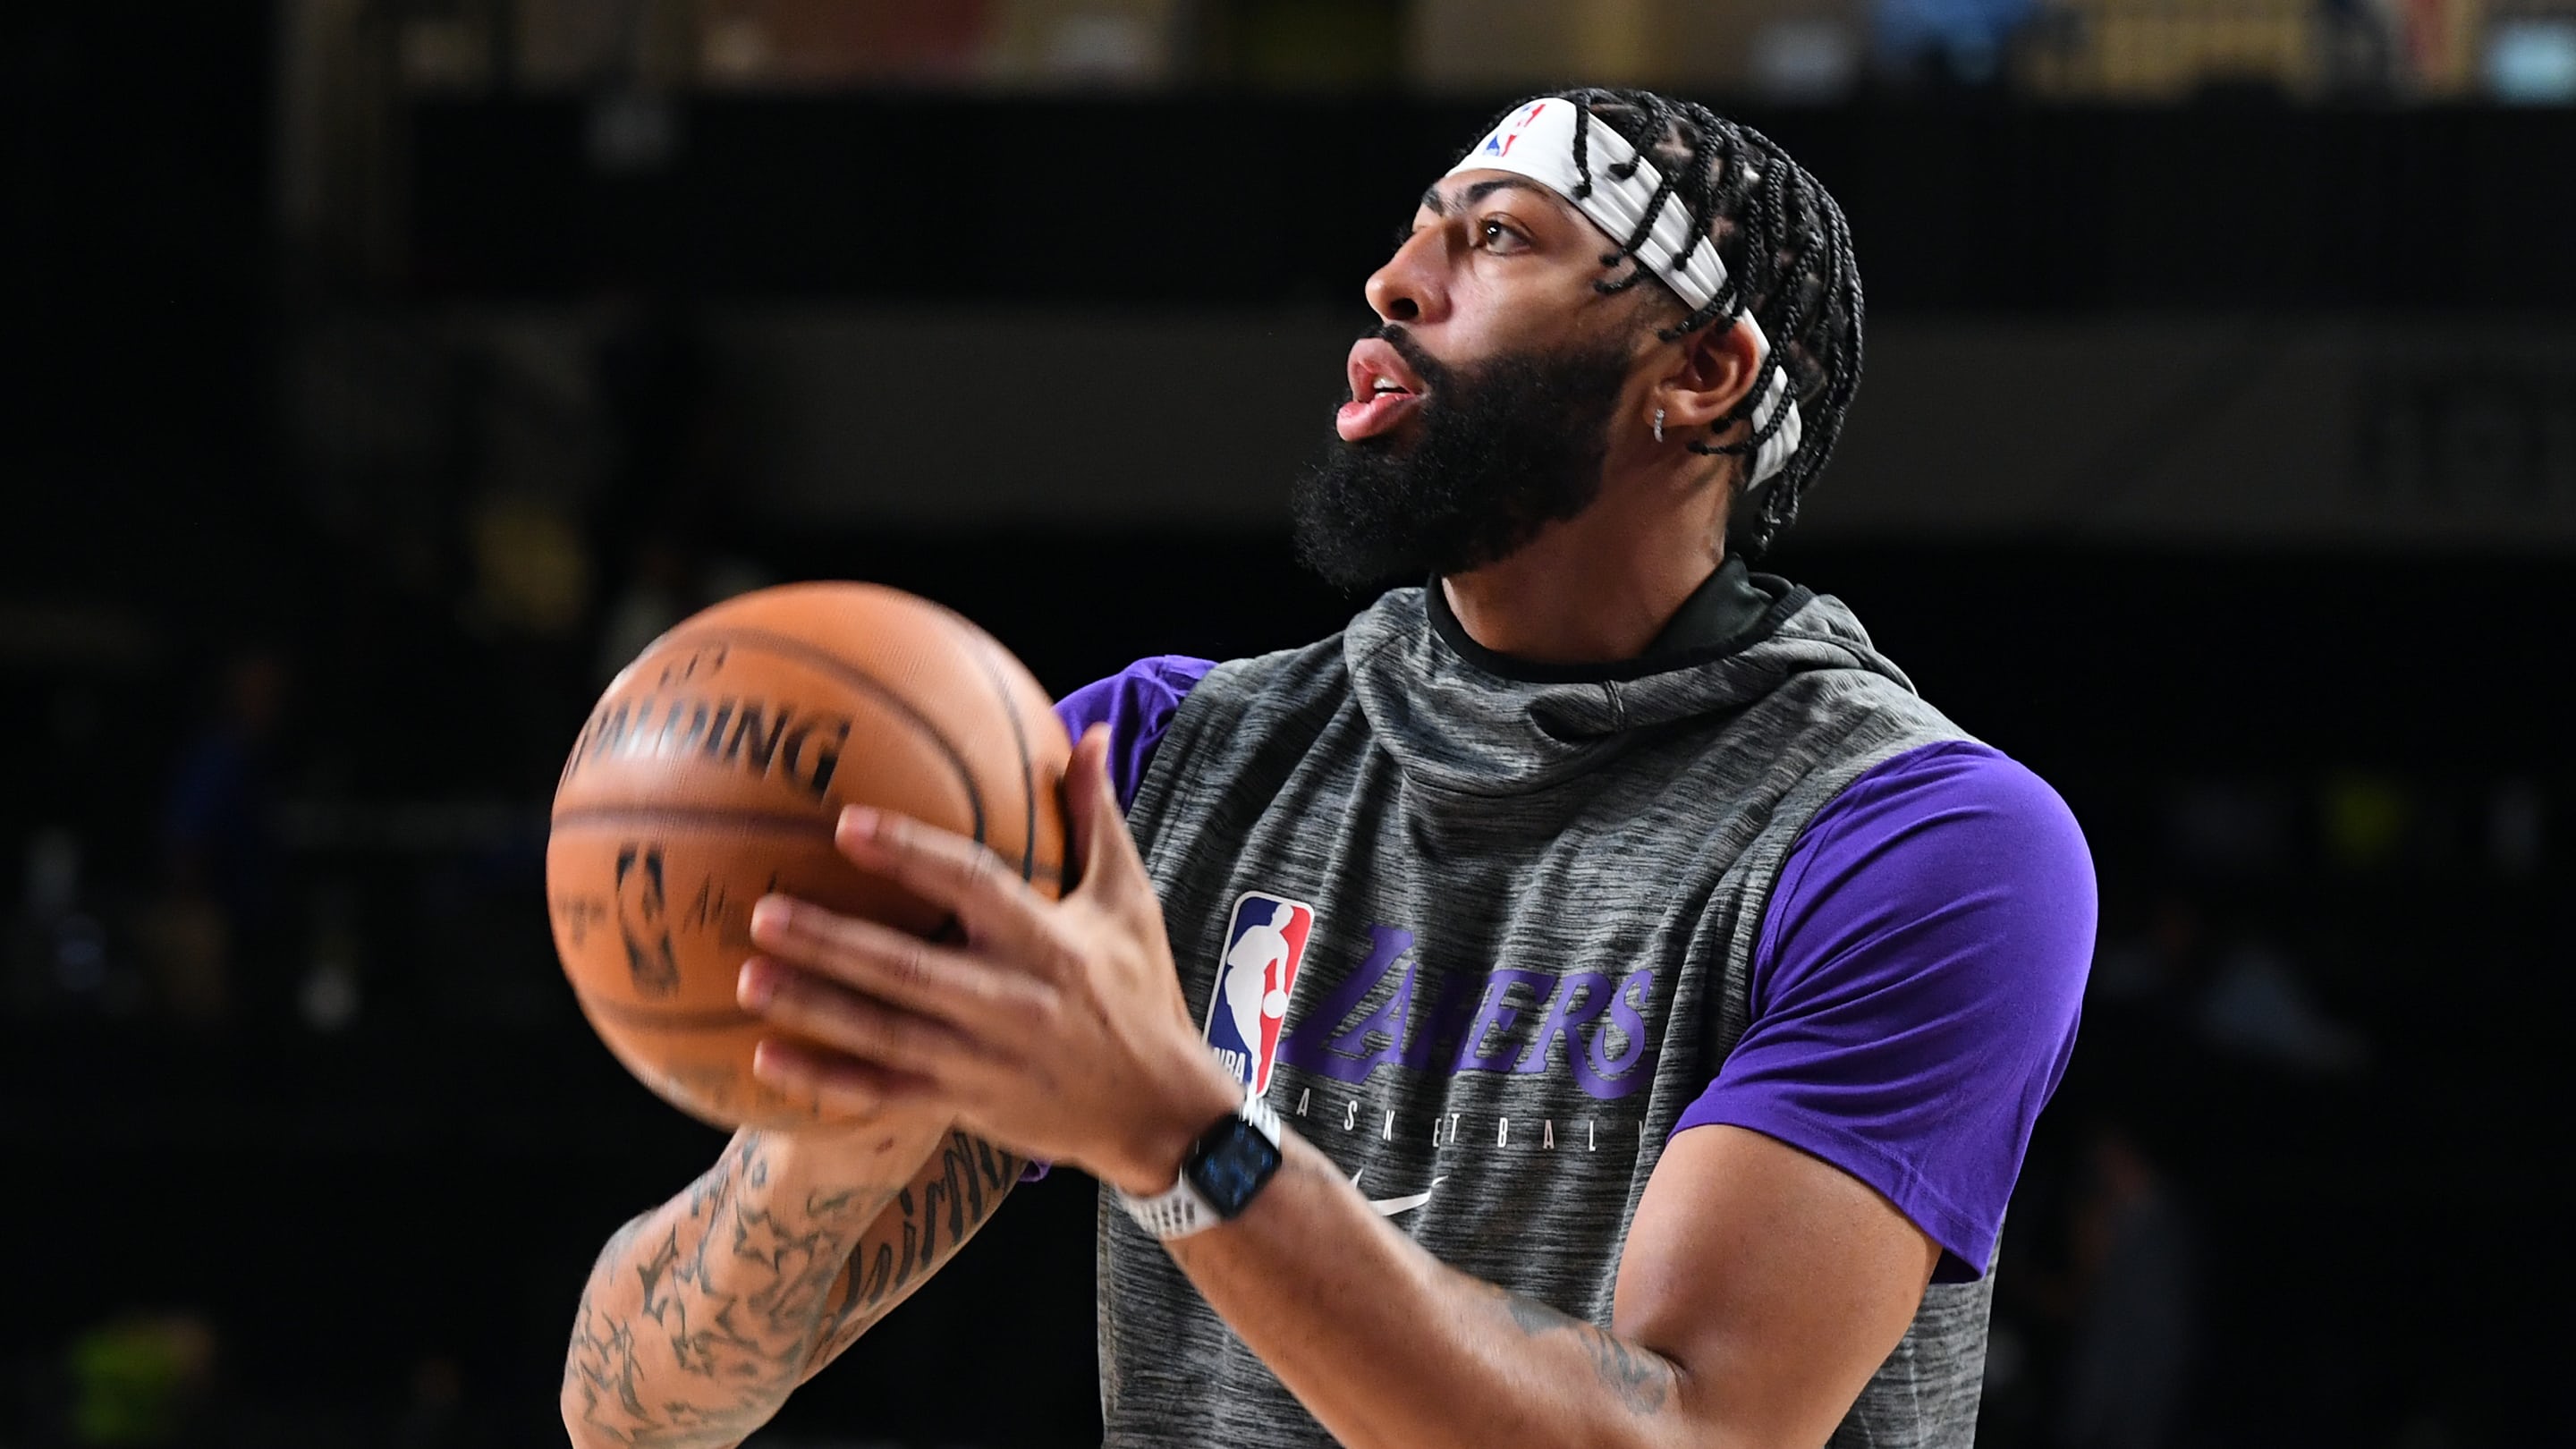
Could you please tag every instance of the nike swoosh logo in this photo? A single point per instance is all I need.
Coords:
(1390, 1206)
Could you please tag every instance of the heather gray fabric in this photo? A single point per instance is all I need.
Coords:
(1535, 908)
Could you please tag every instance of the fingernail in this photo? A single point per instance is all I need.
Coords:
(859, 820)
(752, 986)
(764, 1065)
(770, 914)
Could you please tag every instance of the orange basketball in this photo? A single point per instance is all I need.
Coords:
(713, 771)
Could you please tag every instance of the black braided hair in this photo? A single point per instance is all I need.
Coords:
(1789, 263)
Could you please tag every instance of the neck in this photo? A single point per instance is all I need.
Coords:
(1593, 589)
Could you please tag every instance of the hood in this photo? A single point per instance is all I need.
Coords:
(1466, 727)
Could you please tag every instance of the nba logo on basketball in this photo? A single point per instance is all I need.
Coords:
(1263, 944)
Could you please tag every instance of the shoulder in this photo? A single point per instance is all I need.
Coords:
(1945, 898)
(1156, 683)
(1137, 704)
(1941, 818)
(1143, 695)
(1917, 986)
(1953, 840)
(1242, 701)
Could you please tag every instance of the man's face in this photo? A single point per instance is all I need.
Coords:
(1480, 410)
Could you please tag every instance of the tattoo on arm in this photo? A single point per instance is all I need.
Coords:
(677, 1318)
(957, 1190)
(798, 1284)
(1643, 1379)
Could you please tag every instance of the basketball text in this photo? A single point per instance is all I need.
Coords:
(766, 738)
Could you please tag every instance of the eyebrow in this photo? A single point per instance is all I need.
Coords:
(1437, 205)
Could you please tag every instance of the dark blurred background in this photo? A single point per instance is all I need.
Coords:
(382, 373)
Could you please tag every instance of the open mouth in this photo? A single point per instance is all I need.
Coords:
(1383, 391)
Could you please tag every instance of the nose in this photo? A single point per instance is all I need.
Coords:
(1411, 286)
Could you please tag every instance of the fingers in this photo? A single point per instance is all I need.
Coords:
(956, 987)
(834, 1083)
(847, 1021)
(946, 869)
(1104, 851)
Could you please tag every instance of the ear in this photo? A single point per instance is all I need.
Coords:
(1714, 372)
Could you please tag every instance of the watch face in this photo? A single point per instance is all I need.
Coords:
(1231, 1163)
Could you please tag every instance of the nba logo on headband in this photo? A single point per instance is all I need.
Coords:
(1499, 144)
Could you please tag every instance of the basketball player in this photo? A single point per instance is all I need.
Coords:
(1670, 991)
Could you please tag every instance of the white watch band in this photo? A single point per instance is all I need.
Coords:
(1180, 1210)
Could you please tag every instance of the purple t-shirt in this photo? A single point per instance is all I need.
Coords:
(1915, 987)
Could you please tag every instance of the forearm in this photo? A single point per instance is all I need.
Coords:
(955, 1192)
(702, 1315)
(1391, 1349)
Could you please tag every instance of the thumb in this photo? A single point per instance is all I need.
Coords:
(1104, 853)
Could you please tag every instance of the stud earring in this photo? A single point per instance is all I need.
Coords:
(1659, 425)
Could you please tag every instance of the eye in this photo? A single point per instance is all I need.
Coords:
(1497, 235)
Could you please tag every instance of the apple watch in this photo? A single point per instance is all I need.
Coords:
(1224, 1170)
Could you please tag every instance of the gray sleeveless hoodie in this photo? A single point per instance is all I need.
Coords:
(1534, 908)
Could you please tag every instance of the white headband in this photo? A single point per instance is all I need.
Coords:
(1537, 141)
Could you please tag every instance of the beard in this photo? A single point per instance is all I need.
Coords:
(1500, 449)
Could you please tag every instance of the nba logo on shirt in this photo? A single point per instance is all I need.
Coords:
(1263, 944)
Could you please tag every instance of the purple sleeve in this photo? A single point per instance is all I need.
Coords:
(1137, 704)
(1916, 987)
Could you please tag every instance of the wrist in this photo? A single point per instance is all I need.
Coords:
(1160, 1138)
(850, 1162)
